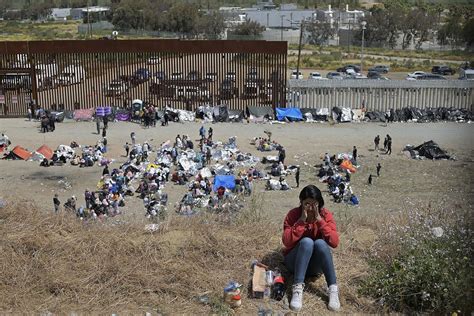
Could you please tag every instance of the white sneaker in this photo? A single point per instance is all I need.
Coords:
(334, 304)
(297, 297)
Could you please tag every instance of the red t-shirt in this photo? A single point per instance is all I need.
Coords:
(294, 229)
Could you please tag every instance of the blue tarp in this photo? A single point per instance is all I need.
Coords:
(293, 114)
(227, 182)
(103, 111)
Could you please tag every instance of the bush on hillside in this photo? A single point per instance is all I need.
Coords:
(423, 262)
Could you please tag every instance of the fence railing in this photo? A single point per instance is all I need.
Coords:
(381, 95)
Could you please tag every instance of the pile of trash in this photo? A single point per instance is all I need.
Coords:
(413, 114)
(218, 177)
(336, 172)
(429, 150)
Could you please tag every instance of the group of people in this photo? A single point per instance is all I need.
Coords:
(387, 144)
(48, 121)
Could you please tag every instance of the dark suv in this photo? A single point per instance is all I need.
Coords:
(443, 70)
(343, 69)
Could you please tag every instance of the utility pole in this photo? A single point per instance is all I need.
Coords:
(89, 21)
(363, 24)
(299, 50)
(281, 30)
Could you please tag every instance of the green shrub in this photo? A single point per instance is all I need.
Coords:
(423, 262)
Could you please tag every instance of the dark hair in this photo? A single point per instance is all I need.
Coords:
(312, 192)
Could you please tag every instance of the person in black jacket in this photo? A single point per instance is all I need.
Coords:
(56, 203)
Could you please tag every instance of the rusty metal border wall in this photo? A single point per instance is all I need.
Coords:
(85, 74)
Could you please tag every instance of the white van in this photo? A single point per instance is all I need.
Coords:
(71, 75)
(192, 93)
(466, 74)
(45, 74)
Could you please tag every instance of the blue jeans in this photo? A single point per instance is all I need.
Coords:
(310, 258)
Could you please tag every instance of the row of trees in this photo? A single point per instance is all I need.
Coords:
(418, 24)
(186, 19)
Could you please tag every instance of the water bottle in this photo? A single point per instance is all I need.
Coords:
(278, 287)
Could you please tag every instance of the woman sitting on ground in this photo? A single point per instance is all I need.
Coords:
(309, 232)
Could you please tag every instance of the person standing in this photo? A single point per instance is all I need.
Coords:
(385, 142)
(56, 203)
(104, 142)
(106, 121)
(378, 169)
(30, 113)
(133, 137)
(202, 132)
(97, 125)
(309, 232)
(297, 177)
(281, 155)
(106, 172)
(376, 142)
(127, 149)
(210, 133)
(370, 179)
(389, 145)
(104, 132)
(354, 154)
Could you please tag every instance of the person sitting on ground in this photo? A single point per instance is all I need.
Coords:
(308, 233)
(44, 163)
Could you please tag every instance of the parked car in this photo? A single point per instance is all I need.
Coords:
(315, 75)
(334, 75)
(376, 75)
(380, 68)
(228, 89)
(231, 75)
(431, 77)
(70, 75)
(252, 74)
(211, 76)
(177, 76)
(415, 75)
(154, 60)
(116, 88)
(160, 75)
(12, 81)
(355, 75)
(141, 75)
(443, 70)
(192, 93)
(344, 68)
(466, 74)
(296, 74)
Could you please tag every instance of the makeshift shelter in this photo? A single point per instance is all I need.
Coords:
(227, 181)
(236, 116)
(291, 114)
(430, 150)
(18, 153)
(347, 165)
(45, 151)
(346, 115)
(84, 114)
(220, 113)
(58, 116)
(103, 111)
(256, 112)
(123, 115)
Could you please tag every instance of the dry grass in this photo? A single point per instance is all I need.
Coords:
(61, 265)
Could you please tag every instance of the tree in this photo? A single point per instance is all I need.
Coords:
(182, 18)
(319, 32)
(468, 33)
(249, 28)
(128, 15)
(211, 25)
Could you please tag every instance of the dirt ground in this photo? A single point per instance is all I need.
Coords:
(403, 181)
(190, 250)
